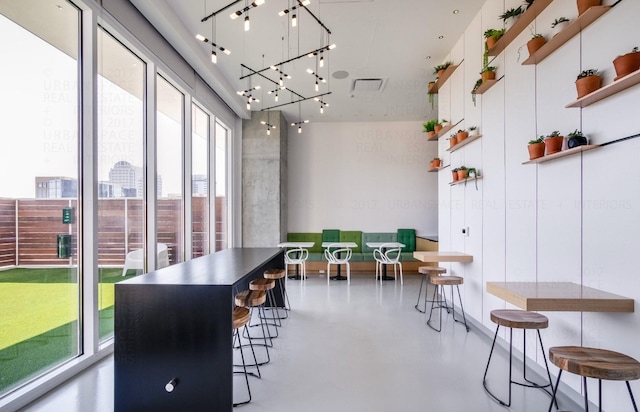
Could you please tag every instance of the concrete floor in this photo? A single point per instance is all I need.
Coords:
(361, 347)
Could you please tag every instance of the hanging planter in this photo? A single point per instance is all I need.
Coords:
(462, 173)
(535, 43)
(454, 173)
(488, 73)
(438, 127)
(575, 139)
(536, 148)
(584, 5)
(453, 140)
(587, 82)
(627, 63)
(559, 24)
(461, 135)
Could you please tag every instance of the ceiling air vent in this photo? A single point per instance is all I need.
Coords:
(368, 85)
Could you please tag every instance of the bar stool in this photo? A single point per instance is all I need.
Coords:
(267, 285)
(427, 272)
(241, 317)
(595, 363)
(276, 274)
(255, 299)
(518, 319)
(440, 282)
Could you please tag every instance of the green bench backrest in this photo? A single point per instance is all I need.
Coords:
(352, 236)
(307, 237)
(408, 238)
(376, 237)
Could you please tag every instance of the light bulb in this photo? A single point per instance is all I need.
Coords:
(276, 97)
(321, 109)
(268, 131)
(299, 129)
(249, 105)
(225, 51)
(294, 21)
(331, 47)
(247, 25)
(281, 82)
(317, 87)
(321, 62)
(214, 57)
(201, 38)
(258, 2)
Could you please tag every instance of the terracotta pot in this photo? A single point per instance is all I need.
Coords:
(491, 42)
(584, 5)
(536, 150)
(587, 85)
(431, 134)
(435, 163)
(438, 128)
(462, 135)
(453, 141)
(462, 174)
(431, 86)
(488, 75)
(553, 144)
(455, 175)
(626, 64)
(534, 44)
(441, 73)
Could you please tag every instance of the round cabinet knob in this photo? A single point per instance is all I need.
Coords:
(171, 385)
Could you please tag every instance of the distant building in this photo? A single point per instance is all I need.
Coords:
(56, 187)
(131, 179)
(200, 185)
(108, 189)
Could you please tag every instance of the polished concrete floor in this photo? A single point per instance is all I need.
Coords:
(350, 348)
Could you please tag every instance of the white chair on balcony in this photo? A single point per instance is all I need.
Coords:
(296, 256)
(388, 255)
(336, 255)
(135, 259)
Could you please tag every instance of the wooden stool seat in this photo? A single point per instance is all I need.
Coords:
(595, 363)
(519, 319)
(274, 274)
(241, 317)
(446, 280)
(262, 284)
(432, 270)
(251, 298)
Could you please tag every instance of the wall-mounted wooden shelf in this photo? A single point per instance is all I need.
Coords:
(567, 34)
(437, 169)
(468, 180)
(519, 25)
(464, 143)
(487, 85)
(444, 131)
(445, 76)
(563, 153)
(608, 90)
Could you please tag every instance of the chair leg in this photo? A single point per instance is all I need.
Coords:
(328, 272)
(555, 389)
(400, 269)
(433, 301)
(246, 374)
(633, 401)
(348, 273)
(464, 319)
(420, 294)
(486, 369)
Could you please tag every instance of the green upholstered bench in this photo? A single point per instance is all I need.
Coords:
(367, 252)
(356, 237)
(315, 252)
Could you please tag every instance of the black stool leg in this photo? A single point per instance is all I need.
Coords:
(633, 401)
(586, 394)
(433, 301)
(484, 378)
(246, 375)
(553, 397)
(425, 296)
(464, 319)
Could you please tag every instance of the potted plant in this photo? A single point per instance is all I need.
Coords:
(444, 122)
(587, 82)
(559, 24)
(510, 15)
(537, 41)
(454, 172)
(439, 69)
(584, 5)
(528, 3)
(536, 148)
(461, 135)
(462, 173)
(435, 163)
(488, 73)
(473, 91)
(437, 127)
(553, 142)
(472, 173)
(473, 130)
(429, 128)
(492, 36)
(627, 63)
(575, 139)
(453, 140)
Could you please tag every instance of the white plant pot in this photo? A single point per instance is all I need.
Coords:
(509, 22)
(560, 27)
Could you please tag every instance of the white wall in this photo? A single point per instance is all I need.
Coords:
(361, 176)
(574, 219)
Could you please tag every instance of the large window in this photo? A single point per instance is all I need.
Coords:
(199, 181)
(170, 194)
(39, 288)
(222, 218)
(121, 79)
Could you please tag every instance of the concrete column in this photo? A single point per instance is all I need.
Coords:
(264, 180)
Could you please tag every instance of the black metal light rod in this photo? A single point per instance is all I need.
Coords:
(220, 10)
(295, 101)
(314, 16)
(286, 61)
(265, 77)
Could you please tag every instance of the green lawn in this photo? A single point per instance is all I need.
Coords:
(38, 318)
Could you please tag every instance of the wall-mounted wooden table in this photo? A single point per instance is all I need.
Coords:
(442, 257)
(559, 296)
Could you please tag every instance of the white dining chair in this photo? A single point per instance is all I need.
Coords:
(388, 254)
(135, 259)
(336, 255)
(296, 256)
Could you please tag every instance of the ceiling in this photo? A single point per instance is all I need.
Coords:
(396, 41)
